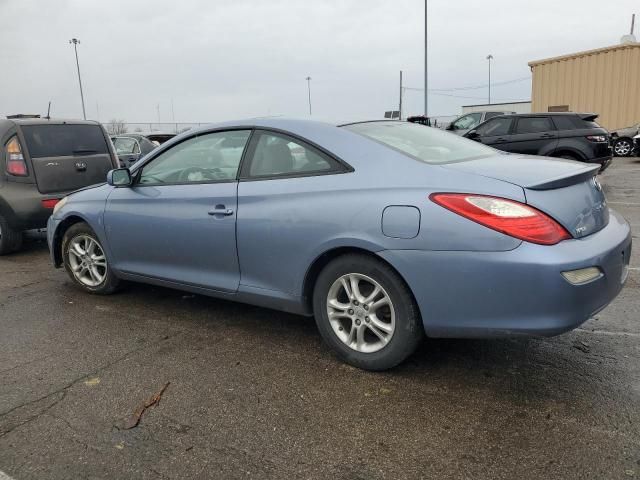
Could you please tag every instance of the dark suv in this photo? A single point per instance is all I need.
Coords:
(566, 135)
(41, 160)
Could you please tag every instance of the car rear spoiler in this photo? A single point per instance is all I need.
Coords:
(588, 117)
(581, 175)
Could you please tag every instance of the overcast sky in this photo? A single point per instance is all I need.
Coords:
(228, 59)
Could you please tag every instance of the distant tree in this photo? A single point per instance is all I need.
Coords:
(116, 127)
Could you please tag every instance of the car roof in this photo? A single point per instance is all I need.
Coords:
(551, 114)
(48, 121)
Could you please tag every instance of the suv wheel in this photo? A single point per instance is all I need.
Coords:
(366, 313)
(623, 147)
(10, 239)
(85, 260)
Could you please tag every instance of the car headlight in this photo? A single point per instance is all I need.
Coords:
(60, 204)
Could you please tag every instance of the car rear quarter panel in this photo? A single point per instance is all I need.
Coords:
(285, 224)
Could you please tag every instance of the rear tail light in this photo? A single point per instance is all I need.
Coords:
(16, 165)
(50, 203)
(506, 216)
(597, 138)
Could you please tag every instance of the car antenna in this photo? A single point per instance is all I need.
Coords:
(48, 117)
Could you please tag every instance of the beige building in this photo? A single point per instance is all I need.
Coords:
(604, 81)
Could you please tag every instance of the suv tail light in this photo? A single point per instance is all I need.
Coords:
(16, 165)
(597, 138)
(506, 216)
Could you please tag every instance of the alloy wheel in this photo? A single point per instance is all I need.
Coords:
(361, 313)
(87, 261)
(622, 148)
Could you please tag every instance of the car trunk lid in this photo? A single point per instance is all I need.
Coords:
(67, 157)
(567, 191)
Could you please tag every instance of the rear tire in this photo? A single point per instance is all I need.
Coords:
(86, 261)
(376, 324)
(623, 147)
(10, 239)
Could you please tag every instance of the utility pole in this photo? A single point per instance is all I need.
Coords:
(426, 76)
(400, 103)
(489, 57)
(75, 43)
(633, 23)
(98, 110)
(309, 89)
(158, 108)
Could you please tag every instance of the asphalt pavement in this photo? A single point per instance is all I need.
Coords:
(157, 383)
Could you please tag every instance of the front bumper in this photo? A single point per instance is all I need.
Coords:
(518, 292)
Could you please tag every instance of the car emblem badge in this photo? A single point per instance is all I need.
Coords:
(81, 166)
(52, 164)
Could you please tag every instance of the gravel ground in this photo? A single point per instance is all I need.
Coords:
(254, 393)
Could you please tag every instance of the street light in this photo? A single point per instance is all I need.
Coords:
(489, 57)
(75, 42)
(308, 79)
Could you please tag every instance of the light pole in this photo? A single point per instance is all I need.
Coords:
(309, 90)
(75, 42)
(489, 57)
(426, 77)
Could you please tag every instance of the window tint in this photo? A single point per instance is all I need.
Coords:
(206, 158)
(568, 122)
(497, 126)
(534, 125)
(489, 115)
(64, 140)
(467, 122)
(429, 145)
(280, 155)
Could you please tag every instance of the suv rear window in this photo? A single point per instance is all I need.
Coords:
(64, 140)
(573, 122)
(533, 125)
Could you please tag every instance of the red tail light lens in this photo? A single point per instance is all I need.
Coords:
(52, 202)
(506, 216)
(16, 165)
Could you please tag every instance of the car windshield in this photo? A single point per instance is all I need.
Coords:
(426, 144)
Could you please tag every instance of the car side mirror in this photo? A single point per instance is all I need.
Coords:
(120, 177)
(472, 134)
(451, 126)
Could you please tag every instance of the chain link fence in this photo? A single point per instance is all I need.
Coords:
(119, 127)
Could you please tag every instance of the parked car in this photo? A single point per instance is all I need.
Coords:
(383, 230)
(42, 160)
(130, 147)
(622, 140)
(464, 123)
(574, 136)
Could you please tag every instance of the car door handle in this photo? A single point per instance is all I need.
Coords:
(501, 140)
(546, 135)
(221, 211)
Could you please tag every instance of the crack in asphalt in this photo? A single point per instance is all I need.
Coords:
(63, 390)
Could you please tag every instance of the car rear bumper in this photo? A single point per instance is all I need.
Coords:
(518, 292)
(24, 209)
(603, 161)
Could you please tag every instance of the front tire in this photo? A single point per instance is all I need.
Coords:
(86, 262)
(10, 239)
(366, 313)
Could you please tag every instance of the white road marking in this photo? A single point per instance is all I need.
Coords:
(630, 204)
(607, 332)
(4, 476)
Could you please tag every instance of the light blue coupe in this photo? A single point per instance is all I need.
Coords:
(384, 231)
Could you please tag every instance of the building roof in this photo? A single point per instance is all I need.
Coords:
(497, 104)
(585, 53)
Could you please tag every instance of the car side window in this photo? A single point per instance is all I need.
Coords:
(496, 126)
(534, 125)
(211, 157)
(467, 122)
(279, 155)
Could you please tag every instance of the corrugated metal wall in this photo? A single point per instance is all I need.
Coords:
(605, 81)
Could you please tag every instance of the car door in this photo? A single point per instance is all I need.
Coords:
(281, 182)
(178, 220)
(535, 135)
(494, 132)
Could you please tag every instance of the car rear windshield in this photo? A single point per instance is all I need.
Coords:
(426, 144)
(64, 140)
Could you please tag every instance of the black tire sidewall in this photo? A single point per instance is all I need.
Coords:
(408, 329)
(110, 282)
(10, 239)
